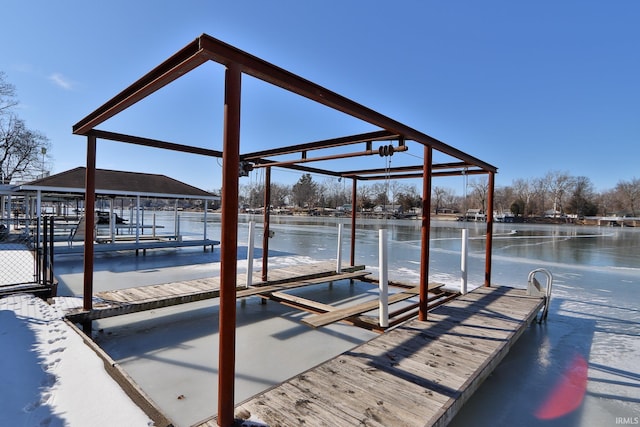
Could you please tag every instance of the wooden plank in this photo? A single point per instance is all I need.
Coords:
(385, 385)
(433, 353)
(298, 283)
(300, 302)
(339, 394)
(293, 406)
(324, 319)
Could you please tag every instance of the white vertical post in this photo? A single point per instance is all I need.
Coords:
(383, 284)
(178, 236)
(112, 226)
(463, 261)
(112, 222)
(176, 231)
(131, 216)
(38, 210)
(153, 229)
(9, 212)
(339, 255)
(250, 244)
(137, 219)
(206, 208)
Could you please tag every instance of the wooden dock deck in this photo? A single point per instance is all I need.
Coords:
(133, 300)
(144, 243)
(418, 374)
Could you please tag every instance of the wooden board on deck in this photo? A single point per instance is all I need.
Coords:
(318, 320)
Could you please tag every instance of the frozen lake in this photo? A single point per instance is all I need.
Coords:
(593, 324)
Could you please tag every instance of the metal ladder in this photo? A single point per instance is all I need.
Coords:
(535, 289)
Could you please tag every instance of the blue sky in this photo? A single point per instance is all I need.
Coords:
(529, 87)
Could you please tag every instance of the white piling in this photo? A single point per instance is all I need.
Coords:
(112, 223)
(339, 254)
(206, 208)
(176, 229)
(250, 244)
(153, 229)
(383, 284)
(137, 219)
(463, 261)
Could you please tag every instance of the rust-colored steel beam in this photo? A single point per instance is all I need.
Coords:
(89, 226)
(148, 142)
(349, 174)
(267, 222)
(354, 198)
(305, 159)
(489, 241)
(381, 135)
(177, 65)
(460, 172)
(303, 168)
(391, 175)
(416, 168)
(229, 246)
(425, 234)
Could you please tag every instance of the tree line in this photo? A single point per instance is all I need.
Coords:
(554, 194)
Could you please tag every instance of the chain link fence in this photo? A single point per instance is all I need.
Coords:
(26, 263)
(16, 257)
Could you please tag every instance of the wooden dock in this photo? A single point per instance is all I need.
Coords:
(133, 300)
(143, 243)
(418, 374)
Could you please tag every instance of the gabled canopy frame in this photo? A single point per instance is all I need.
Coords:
(237, 62)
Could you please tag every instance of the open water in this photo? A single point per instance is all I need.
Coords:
(579, 368)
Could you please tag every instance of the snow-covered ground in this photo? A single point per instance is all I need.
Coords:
(50, 378)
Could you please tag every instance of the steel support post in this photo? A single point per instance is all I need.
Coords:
(228, 245)
(266, 225)
(425, 232)
(354, 194)
(489, 243)
(89, 226)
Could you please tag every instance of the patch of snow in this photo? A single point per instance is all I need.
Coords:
(50, 377)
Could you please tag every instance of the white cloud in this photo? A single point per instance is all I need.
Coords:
(61, 81)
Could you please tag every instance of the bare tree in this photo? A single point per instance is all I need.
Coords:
(628, 193)
(7, 94)
(558, 185)
(503, 198)
(279, 195)
(479, 191)
(442, 197)
(408, 198)
(524, 190)
(582, 200)
(22, 150)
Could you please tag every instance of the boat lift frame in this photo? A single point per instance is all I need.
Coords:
(237, 62)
